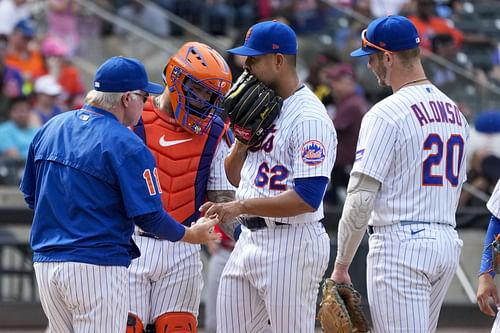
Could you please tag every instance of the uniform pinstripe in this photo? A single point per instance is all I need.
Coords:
(167, 276)
(414, 248)
(493, 206)
(73, 306)
(274, 273)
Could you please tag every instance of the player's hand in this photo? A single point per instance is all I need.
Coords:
(202, 231)
(225, 211)
(340, 274)
(485, 290)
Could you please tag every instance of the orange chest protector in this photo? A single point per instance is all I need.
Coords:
(183, 160)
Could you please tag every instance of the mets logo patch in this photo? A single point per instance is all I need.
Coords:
(313, 152)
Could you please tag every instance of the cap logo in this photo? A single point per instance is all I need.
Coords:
(275, 46)
(249, 32)
(417, 40)
(97, 84)
(382, 44)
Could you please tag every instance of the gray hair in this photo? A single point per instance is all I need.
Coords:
(104, 100)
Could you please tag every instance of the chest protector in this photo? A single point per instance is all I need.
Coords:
(183, 160)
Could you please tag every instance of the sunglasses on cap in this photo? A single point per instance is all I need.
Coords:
(365, 42)
(144, 96)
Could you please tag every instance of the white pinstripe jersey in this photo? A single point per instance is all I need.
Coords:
(414, 142)
(494, 202)
(302, 143)
(217, 180)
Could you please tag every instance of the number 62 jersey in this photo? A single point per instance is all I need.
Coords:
(415, 143)
(301, 143)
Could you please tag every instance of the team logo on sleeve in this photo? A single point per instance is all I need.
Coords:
(313, 152)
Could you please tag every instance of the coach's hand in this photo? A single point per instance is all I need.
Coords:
(202, 231)
(225, 211)
(485, 290)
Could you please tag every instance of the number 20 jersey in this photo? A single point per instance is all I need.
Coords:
(415, 143)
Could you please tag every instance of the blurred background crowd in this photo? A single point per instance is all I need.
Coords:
(48, 50)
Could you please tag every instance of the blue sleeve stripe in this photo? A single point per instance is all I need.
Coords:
(486, 260)
(311, 189)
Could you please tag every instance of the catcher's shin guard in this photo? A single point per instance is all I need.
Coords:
(134, 324)
(176, 322)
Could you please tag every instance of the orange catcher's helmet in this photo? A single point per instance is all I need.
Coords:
(197, 78)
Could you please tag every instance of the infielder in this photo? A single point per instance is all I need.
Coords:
(86, 179)
(405, 183)
(189, 141)
(486, 287)
(274, 271)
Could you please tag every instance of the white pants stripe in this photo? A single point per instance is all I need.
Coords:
(273, 275)
(83, 298)
(408, 275)
(165, 278)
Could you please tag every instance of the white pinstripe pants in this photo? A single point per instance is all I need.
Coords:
(165, 278)
(83, 298)
(409, 270)
(273, 274)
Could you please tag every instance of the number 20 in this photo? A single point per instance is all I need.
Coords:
(430, 179)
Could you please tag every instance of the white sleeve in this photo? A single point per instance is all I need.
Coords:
(494, 202)
(375, 148)
(217, 180)
(314, 148)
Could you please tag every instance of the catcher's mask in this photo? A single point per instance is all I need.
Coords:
(197, 78)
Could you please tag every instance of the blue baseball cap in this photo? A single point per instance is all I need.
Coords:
(121, 74)
(267, 37)
(391, 33)
(26, 27)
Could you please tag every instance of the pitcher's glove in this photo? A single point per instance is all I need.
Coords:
(252, 107)
(340, 309)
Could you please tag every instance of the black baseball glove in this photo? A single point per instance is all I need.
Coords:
(252, 107)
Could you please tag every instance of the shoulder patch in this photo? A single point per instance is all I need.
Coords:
(313, 152)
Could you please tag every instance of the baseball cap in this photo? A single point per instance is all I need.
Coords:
(267, 37)
(121, 74)
(53, 46)
(26, 27)
(389, 33)
(47, 85)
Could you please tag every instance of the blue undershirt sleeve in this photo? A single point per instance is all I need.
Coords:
(162, 225)
(311, 189)
(486, 260)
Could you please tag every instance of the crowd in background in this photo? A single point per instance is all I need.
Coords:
(39, 79)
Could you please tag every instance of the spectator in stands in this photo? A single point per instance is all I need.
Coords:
(62, 22)
(16, 134)
(23, 55)
(429, 24)
(484, 154)
(59, 65)
(350, 107)
(45, 104)
(11, 80)
(215, 16)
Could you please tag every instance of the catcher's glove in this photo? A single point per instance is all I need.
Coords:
(252, 107)
(340, 309)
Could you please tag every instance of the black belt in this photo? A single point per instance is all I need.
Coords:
(256, 223)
